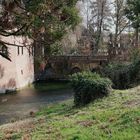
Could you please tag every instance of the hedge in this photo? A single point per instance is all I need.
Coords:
(89, 86)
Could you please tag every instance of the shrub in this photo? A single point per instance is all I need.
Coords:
(134, 54)
(119, 75)
(134, 71)
(89, 86)
(122, 75)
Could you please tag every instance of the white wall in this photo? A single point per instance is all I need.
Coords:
(19, 72)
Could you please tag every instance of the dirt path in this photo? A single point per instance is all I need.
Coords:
(19, 106)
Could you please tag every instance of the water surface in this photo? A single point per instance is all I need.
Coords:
(18, 105)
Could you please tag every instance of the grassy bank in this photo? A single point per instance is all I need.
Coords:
(116, 117)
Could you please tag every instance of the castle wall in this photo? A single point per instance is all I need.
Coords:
(20, 71)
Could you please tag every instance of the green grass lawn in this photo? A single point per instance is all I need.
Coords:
(116, 117)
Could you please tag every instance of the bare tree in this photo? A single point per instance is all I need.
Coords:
(119, 19)
(98, 19)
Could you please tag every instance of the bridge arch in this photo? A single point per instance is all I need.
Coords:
(95, 69)
(75, 70)
(49, 71)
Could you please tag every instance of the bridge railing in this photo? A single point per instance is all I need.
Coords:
(79, 58)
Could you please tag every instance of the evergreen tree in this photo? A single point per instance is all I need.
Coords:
(38, 18)
(132, 11)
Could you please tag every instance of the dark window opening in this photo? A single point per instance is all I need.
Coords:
(18, 50)
(3, 49)
(22, 49)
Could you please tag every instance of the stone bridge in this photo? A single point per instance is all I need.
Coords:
(59, 67)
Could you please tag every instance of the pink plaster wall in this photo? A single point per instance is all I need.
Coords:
(19, 72)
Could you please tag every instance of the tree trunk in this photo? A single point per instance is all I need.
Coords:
(137, 38)
(99, 32)
(117, 25)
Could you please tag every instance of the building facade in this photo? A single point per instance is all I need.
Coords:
(19, 72)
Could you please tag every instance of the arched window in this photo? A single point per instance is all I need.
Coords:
(3, 49)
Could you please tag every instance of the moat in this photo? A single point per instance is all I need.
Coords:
(17, 106)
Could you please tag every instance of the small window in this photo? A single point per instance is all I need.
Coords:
(3, 49)
(22, 50)
(18, 50)
(32, 50)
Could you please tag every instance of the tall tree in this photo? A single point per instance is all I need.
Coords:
(100, 20)
(119, 19)
(132, 11)
(38, 18)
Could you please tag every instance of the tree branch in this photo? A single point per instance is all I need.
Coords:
(5, 33)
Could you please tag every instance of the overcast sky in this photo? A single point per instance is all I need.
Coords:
(84, 8)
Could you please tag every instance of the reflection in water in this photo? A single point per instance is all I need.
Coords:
(19, 105)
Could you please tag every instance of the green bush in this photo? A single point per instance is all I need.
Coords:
(134, 54)
(122, 75)
(89, 86)
(134, 71)
(119, 75)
